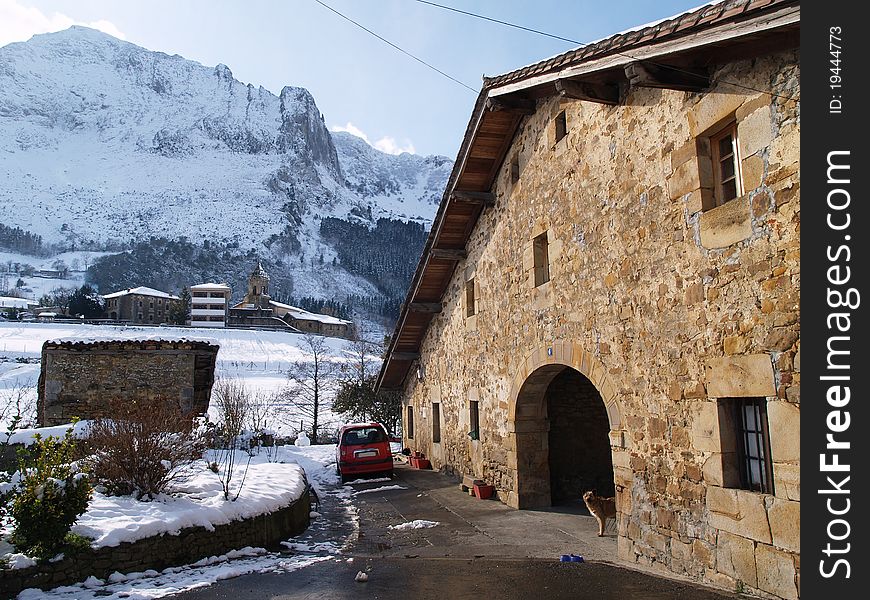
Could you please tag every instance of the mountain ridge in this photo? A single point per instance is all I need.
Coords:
(109, 144)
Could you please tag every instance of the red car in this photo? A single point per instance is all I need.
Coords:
(363, 449)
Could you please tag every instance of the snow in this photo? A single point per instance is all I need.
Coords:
(302, 439)
(302, 314)
(319, 465)
(416, 524)
(268, 486)
(383, 488)
(26, 437)
(142, 291)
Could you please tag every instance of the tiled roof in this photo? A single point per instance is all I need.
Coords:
(701, 18)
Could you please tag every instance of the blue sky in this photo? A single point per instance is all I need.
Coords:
(359, 82)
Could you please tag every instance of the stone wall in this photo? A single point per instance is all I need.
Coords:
(77, 379)
(162, 551)
(665, 303)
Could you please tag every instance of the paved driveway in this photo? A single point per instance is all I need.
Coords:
(480, 548)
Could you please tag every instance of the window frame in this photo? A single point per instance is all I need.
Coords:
(470, 299)
(753, 444)
(436, 422)
(717, 158)
(410, 423)
(474, 419)
(560, 126)
(541, 251)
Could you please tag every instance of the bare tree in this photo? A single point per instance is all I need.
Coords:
(311, 384)
(18, 405)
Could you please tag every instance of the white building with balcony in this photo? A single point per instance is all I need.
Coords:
(209, 303)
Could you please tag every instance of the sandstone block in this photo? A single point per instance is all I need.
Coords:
(735, 557)
(776, 572)
(751, 521)
(705, 427)
(684, 179)
(784, 420)
(752, 169)
(787, 481)
(740, 376)
(785, 525)
(727, 224)
(712, 109)
(755, 132)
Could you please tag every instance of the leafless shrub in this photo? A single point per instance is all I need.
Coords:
(143, 448)
(232, 400)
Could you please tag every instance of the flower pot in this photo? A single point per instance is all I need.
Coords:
(483, 491)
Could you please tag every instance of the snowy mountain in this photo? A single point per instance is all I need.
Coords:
(106, 144)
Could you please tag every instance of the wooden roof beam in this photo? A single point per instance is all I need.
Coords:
(646, 74)
(405, 356)
(591, 92)
(425, 307)
(523, 106)
(484, 198)
(448, 254)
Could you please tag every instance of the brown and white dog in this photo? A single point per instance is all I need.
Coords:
(601, 508)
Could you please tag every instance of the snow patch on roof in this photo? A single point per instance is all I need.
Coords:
(142, 291)
(304, 315)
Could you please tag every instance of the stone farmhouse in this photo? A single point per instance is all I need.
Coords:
(139, 305)
(609, 295)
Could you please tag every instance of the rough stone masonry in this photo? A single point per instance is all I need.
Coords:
(79, 378)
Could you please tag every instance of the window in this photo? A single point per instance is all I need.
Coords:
(542, 259)
(474, 417)
(561, 126)
(748, 464)
(727, 183)
(470, 309)
(436, 423)
(410, 422)
(515, 168)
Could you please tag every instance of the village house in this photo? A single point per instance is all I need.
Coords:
(209, 304)
(609, 295)
(139, 305)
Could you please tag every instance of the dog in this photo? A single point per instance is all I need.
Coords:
(601, 508)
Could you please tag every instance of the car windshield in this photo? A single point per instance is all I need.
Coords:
(365, 435)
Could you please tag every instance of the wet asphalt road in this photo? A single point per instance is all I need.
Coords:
(480, 549)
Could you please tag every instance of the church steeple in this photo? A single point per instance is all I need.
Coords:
(258, 287)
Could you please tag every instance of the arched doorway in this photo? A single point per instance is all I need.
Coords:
(562, 430)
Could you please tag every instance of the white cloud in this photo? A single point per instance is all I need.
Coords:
(386, 144)
(390, 146)
(19, 22)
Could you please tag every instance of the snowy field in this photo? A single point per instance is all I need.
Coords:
(260, 359)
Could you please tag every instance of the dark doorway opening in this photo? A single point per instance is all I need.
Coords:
(579, 441)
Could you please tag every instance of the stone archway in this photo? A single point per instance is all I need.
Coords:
(573, 384)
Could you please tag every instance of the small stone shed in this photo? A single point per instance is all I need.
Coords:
(79, 377)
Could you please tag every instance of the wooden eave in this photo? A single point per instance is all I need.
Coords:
(734, 30)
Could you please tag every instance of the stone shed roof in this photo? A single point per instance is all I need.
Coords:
(82, 343)
(674, 53)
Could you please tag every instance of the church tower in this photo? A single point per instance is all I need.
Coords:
(258, 287)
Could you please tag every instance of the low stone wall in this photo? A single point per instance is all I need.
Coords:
(162, 551)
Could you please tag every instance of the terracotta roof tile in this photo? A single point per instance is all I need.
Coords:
(703, 17)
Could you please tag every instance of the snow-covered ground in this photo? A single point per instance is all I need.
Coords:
(260, 359)
(268, 485)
